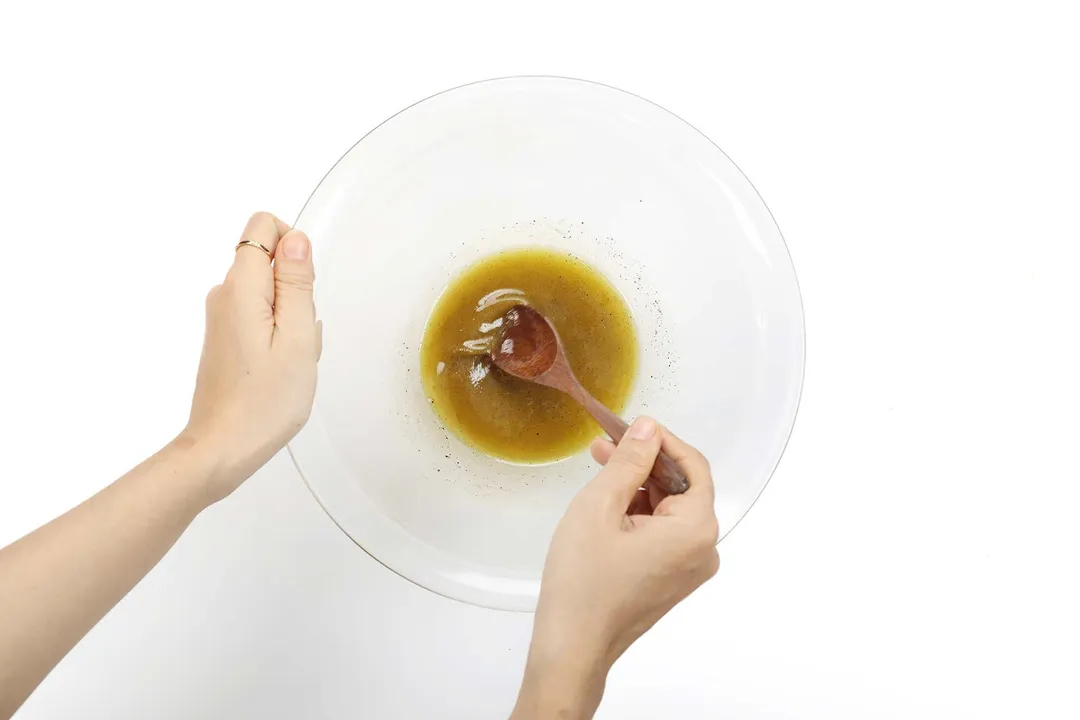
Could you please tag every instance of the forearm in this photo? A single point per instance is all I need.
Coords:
(58, 581)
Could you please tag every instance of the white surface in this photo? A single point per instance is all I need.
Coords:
(913, 556)
(588, 169)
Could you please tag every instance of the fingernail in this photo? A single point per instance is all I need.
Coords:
(295, 246)
(642, 429)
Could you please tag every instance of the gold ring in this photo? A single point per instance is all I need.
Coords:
(253, 244)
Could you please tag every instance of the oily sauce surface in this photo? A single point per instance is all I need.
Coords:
(510, 418)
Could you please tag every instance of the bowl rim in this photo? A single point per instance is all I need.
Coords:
(772, 217)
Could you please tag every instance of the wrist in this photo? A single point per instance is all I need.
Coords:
(204, 469)
(227, 457)
(567, 685)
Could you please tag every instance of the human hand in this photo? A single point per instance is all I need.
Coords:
(613, 569)
(256, 379)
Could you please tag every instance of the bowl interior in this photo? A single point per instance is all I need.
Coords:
(572, 165)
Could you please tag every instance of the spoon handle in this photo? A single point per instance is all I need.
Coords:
(665, 472)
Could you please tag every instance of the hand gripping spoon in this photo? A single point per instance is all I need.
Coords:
(527, 347)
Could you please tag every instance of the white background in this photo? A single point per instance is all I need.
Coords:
(915, 552)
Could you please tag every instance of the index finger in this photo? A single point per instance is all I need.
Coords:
(251, 266)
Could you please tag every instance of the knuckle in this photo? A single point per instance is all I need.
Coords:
(699, 462)
(710, 532)
(632, 455)
(711, 564)
(700, 536)
(295, 280)
(301, 418)
(697, 469)
(212, 295)
(227, 290)
(622, 460)
(624, 467)
(230, 280)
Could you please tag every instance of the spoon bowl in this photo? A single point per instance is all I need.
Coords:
(526, 345)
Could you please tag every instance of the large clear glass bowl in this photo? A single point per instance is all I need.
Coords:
(613, 178)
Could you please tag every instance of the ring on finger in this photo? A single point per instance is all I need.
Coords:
(252, 243)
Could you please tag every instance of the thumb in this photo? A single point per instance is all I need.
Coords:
(294, 278)
(631, 463)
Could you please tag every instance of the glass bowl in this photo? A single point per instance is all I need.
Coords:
(573, 165)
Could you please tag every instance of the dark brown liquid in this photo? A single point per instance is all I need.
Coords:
(510, 418)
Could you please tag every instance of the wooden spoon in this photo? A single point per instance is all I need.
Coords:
(527, 347)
